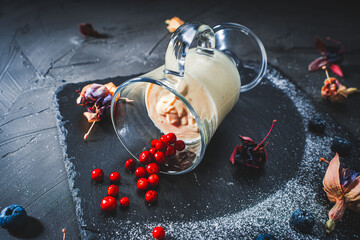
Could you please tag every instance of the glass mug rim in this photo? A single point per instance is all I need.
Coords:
(166, 84)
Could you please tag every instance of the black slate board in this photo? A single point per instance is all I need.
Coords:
(205, 201)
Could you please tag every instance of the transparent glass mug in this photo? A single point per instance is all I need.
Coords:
(191, 94)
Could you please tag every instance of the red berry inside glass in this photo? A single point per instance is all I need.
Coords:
(163, 138)
(151, 196)
(153, 142)
(153, 180)
(115, 177)
(108, 204)
(113, 190)
(152, 150)
(160, 146)
(140, 172)
(170, 138)
(145, 157)
(124, 202)
(130, 164)
(170, 151)
(142, 184)
(160, 157)
(158, 233)
(97, 175)
(152, 168)
(179, 145)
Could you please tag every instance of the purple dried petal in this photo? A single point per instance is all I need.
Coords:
(321, 46)
(98, 90)
(318, 63)
(347, 176)
(246, 140)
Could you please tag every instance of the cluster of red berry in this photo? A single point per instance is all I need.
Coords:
(158, 153)
(109, 203)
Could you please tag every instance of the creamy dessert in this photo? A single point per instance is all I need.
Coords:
(211, 85)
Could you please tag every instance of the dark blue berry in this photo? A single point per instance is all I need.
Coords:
(341, 145)
(317, 125)
(265, 237)
(13, 217)
(302, 220)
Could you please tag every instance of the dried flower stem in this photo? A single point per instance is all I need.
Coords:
(64, 232)
(323, 160)
(326, 72)
(274, 121)
(88, 132)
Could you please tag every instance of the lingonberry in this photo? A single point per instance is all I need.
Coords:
(130, 164)
(153, 142)
(179, 145)
(158, 233)
(142, 184)
(151, 196)
(115, 177)
(108, 203)
(163, 138)
(140, 172)
(152, 150)
(97, 175)
(160, 146)
(152, 168)
(113, 190)
(159, 157)
(124, 202)
(170, 151)
(145, 157)
(170, 138)
(153, 180)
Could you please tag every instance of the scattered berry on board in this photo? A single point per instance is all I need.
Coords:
(97, 175)
(140, 172)
(159, 157)
(153, 180)
(152, 168)
(113, 190)
(124, 202)
(13, 217)
(151, 196)
(142, 184)
(158, 233)
(130, 164)
(108, 204)
(115, 177)
(302, 220)
(145, 157)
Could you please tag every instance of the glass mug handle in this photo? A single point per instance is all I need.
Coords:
(180, 42)
(227, 37)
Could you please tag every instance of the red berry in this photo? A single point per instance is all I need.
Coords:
(140, 172)
(163, 138)
(158, 233)
(160, 146)
(152, 168)
(97, 175)
(152, 150)
(170, 151)
(153, 180)
(151, 196)
(113, 190)
(115, 177)
(159, 157)
(145, 157)
(130, 164)
(170, 138)
(124, 202)
(142, 184)
(108, 204)
(153, 142)
(179, 145)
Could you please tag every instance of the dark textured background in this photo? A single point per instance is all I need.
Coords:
(42, 49)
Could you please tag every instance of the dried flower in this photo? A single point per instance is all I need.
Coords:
(332, 55)
(342, 186)
(334, 91)
(87, 30)
(173, 24)
(97, 98)
(251, 154)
